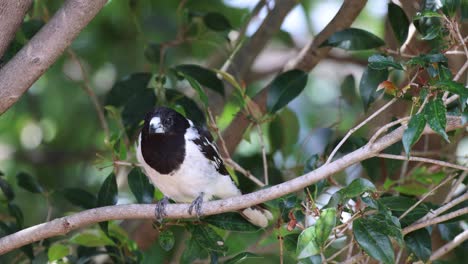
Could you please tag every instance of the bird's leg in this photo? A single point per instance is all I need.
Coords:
(196, 204)
(160, 209)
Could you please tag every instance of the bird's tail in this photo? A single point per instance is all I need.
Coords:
(257, 215)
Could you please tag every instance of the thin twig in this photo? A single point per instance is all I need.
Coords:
(433, 161)
(354, 129)
(427, 194)
(434, 221)
(332, 257)
(264, 157)
(442, 209)
(386, 127)
(460, 238)
(455, 186)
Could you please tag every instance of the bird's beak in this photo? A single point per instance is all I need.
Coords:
(156, 127)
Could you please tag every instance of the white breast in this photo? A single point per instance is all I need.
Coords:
(197, 174)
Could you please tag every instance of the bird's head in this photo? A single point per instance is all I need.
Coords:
(165, 121)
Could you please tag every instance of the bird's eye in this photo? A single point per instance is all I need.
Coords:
(169, 120)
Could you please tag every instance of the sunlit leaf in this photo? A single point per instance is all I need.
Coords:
(324, 225)
(307, 243)
(91, 239)
(353, 39)
(57, 252)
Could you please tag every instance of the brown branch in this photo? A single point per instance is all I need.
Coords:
(12, 13)
(434, 221)
(66, 224)
(306, 61)
(426, 160)
(460, 238)
(44, 49)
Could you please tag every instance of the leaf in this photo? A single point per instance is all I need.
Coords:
(413, 132)
(284, 132)
(290, 242)
(231, 222)
(91, 239)
(307, 243)
(204, 76)
(29, 183)
(348, 89)
(358, 187)
(192, 111)
(153, 52)
(284, 88)
(380, 62)
(419, 242)
(426, 14)
(399, 204)
(166, 239)
(324, 225)
(387, 224)
(456, 88)
(435, 114)
(208, 239)
(6, 189)
(193, 251)
(136, 107)
(16, 212)
(140, 186)
(370, 80)
(80, 197)
(124, 89)
(57, 252)
(398, 21)
(353, 39)
(239, 258)
(31, 27)
(195, 85)
(216, 21)
(372, 241)
(107, 195)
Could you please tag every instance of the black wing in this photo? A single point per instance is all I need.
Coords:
(208, 148)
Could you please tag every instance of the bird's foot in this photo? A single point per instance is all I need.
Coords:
(160, 209)
(196, 204)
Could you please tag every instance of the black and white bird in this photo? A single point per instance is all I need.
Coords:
(182, 161)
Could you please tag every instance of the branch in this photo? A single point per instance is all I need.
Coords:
(434, 221)
(44, 49)
(12, 13)
(460, 238)
(426, 160)
(66, 224)
(306, 61)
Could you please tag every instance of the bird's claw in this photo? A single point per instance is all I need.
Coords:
(160, 209)
(196, 204)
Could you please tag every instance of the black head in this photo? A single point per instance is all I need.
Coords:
(165, 121)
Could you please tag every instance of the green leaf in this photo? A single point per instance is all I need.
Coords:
(284, 88)
(358, 187)
(31, 27)
(7, 190)
(290, 242)
(107, 195)
(373, 241)
(192, 111)
(307, 243)
(204, 76)
(435, 114)
(16, 212)
(413, 132)
(124, 89)
(241, 257)
(380, 62)
(57, 252)
(195, 85)
(216, 21)
(166, 239)
(29, 183)
(140, 186)
(348, 89)
(398, 21)
(284, 131)
(419, 242)
(399, 204)
(370, 80)
(387, 224)
(91, 239)
(324, 225)
(426, 14)
(136, 107)
(353, 39)
(193, 251)
(232, 222)
(208, 239)
(456, 88)
(80, 197)
(153, 52)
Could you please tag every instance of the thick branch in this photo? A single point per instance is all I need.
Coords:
(44, 48)
(64, 225)
(306, 61)
(12, 13)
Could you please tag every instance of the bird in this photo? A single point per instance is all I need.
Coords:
(183, 162)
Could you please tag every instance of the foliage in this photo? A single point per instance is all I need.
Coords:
(61, 158)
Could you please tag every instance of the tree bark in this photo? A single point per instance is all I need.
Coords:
(12, 13)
